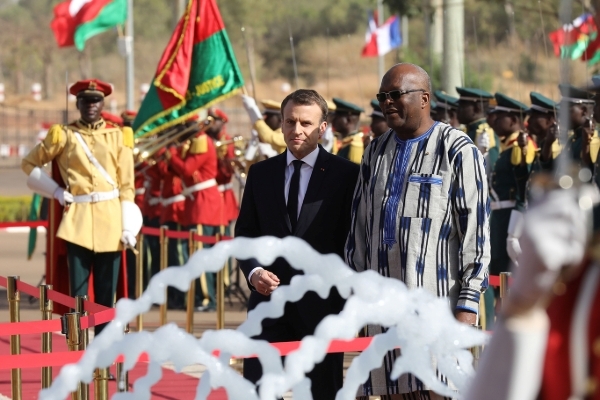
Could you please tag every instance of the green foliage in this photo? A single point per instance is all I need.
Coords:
(14, 208)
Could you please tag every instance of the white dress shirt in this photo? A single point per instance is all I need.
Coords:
(305, 173)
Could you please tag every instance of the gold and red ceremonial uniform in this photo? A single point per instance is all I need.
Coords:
(556, 379)
(173, 201)
(199, 168)
(152, 205)
(224, 177)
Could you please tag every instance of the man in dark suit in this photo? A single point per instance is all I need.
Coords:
(304, 192)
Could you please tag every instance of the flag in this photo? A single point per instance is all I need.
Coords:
(591, 55)
(197, 69)
(572, 40)
(75, 21)
(381, 40)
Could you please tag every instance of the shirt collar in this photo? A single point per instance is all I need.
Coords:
(96, 125)
(310, 159)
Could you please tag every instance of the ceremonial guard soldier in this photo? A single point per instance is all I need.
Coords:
(447, 108)
(95, 160)
(379, 125)
(345, 123)
(509, 179)
(267, 125)
(198, 170)
(225, 156)
(473, 108)
(152, 213)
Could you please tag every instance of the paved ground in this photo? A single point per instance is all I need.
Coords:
(12, 182)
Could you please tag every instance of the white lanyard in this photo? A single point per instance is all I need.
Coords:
(93, 159)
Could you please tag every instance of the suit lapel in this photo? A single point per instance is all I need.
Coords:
(312, 200)
(279, 187)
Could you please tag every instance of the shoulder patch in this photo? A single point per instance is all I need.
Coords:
(199, 145)
(128, 137)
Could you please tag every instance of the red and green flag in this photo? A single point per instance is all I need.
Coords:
(197, 69)
(572, 40)
(75, 21)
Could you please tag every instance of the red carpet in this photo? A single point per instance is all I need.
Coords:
(172, 386)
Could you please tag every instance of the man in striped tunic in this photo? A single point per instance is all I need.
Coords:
(420, 212)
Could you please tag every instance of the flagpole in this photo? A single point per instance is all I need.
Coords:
(379, 23)
(129, 58)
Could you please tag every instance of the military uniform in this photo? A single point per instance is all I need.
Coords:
(95, 161)
(445, 106)
(352, 146)
(508, 186)
(203, 210)
(225, 155)
(152, 213)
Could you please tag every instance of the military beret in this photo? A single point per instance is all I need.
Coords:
(444, 100)
(345, 107)
(507, 104)
(541, 103)
(473, 94)
(377, 111)
(271, 106)
(575, 95)
(90, 88)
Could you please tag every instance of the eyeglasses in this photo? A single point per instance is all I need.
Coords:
(394, 94)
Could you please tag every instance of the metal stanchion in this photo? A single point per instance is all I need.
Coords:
(191, 295)
(139, 278)
(46, 307)
(71, 327)
(504, 277)
(122, 376)
(476, 351)
(14, 299)
(101, 384)
(164, 253)
(220, 291)
(84, 388)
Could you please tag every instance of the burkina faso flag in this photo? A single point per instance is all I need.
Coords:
(198, 68)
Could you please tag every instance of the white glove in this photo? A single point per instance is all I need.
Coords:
(483, 141)
(128, 239)
(40, 182)
(63, 196)
(515, 229)
(328, 139)
(554, 236)
(251, 108)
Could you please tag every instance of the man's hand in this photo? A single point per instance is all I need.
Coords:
(63, 196)
(466, 317)
(128, 239)
(264, 282)
(483, 142)
(251, 108)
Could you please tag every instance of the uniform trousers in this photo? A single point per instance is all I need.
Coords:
(177, 256)
(151, 252)
(105, 267)
(326, 377)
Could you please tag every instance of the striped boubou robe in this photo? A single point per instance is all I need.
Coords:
(420, 214)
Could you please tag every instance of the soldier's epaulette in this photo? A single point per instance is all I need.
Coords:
(128, 137)
(516, 156)
(199, 145)
(357, 140)
(55, 134)
(594, 148)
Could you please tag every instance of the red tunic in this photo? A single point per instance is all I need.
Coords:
(152, 206)
(556, 380)
(204, 206)
(224, 176)
(140, 189)
(172, 209)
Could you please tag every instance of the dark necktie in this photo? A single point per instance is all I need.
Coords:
(292, 204)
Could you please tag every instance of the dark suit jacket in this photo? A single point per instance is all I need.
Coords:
(324, 220)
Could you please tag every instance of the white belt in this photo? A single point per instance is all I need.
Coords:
(95, 197)
(140, 191)
(225, 187)
(499, 205)
(199, 186)
(154, 201)
(174, 199)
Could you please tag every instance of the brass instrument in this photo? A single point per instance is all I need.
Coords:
(146, 153)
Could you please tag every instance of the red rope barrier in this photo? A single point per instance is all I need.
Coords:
(27, 224)
(148, 231)
(177, 234)
(205, 239)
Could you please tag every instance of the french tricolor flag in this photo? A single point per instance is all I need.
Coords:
(380, 40)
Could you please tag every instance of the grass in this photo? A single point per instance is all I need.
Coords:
(14, 208)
